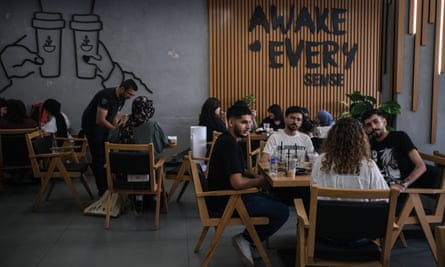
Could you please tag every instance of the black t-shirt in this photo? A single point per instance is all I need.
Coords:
(274, 126)
(105, 99)
(227, 159)
(214, 124)
(391, 155)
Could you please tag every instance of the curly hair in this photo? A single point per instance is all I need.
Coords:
(345, 147)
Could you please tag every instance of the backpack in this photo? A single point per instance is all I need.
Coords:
(39, 114)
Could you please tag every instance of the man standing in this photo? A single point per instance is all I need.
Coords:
(101, 115)
(289, 141)
(394, 152)
(227, 172)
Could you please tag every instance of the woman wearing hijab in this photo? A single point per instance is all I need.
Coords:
(138, 129)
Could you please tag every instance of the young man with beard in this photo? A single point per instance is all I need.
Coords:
(101, 115)
(394, 152)
(290, 141)
(227, 172)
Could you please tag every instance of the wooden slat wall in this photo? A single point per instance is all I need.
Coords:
(236, 71)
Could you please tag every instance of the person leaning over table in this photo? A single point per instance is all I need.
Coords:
(394, 152)
(227, 172)
(100, 116)
(345, 161)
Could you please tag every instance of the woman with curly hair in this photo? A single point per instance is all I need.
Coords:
(345, 161)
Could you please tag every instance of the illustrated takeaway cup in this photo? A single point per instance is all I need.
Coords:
(86, 37)
(48, 27)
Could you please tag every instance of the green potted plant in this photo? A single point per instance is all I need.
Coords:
(359, 103)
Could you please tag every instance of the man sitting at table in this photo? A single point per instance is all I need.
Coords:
(394, 152)
(290, 143)
(227, 172)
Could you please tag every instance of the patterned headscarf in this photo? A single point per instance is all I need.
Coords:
(141, 111)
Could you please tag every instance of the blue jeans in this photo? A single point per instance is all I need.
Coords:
(261, 204)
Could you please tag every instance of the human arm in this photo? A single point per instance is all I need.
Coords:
(238, 181)
(101, 120)
(419, 169)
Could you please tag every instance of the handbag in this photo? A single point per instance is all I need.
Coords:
(99, 208)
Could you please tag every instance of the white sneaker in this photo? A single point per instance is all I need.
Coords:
(243, 247)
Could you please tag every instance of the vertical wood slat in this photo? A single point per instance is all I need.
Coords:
(237, 72)
(432, 13)
(412, 17)
(441, 20)
(424, 22)
(416, 61)
(435, 89)
(399, 45)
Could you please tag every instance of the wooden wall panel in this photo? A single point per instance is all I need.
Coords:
(238, 70)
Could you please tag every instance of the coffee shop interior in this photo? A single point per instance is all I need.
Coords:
(320, 55)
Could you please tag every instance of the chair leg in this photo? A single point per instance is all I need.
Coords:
(403, 240)
(45, 181)
(50, 190)
(83, 180)
(108, 210)
(184, 186)
(202, 236)
(73, 190)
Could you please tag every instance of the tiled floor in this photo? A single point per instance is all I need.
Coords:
(58, 234)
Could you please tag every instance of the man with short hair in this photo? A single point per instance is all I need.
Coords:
(227, 172)
(100, 116)
(394, 152)
(290, 141)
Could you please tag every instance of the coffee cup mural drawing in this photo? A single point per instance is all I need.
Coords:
(93, 60)
(86, 37)
(48, 27)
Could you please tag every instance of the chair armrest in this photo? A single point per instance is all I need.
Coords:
(227, 192)
(160, 162)
(301, 212)
(255, 152)
(51, 155)
(200, 158)
(424, 191)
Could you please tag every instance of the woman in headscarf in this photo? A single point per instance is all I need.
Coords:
(138, 129)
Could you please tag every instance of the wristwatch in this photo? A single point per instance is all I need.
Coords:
(403, 184)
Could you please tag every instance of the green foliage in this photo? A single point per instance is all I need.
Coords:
(250, 100)
(358, 103)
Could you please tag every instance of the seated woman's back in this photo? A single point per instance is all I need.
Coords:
(15, 117)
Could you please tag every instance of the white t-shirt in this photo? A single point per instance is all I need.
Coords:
(369, 178)
(299, 143)
(50, 126)
(322, 131)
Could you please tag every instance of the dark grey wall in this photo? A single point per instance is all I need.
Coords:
(165, 44)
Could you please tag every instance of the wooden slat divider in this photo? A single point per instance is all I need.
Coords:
(412, 17)
(399, 45)
(237, 72)
(416, 61)
(424, 22)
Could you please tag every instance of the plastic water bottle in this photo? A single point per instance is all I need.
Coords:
(273, 167)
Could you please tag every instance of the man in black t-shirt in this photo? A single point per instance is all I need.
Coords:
(227, 172)
(101, 115)
(394, 152)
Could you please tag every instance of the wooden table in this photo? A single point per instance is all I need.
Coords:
(281, 180)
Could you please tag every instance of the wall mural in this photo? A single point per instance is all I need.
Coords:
(92, 58)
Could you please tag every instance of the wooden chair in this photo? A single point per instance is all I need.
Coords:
(413, 211)
(79, 144)
(13, 151)
(327, 236)
(122, 160)
(183, 173)
(221, 221)
(51, 166)
(253, 156)
(440, 243)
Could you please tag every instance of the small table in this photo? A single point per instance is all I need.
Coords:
(282, 180)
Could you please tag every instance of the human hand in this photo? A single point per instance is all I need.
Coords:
(102, 61)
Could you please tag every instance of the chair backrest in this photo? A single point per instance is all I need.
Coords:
(13, 149)
(208, 158)
(200, 185)
(122, 160)
(343, 222)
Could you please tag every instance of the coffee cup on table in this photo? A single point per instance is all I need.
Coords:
(291, 167)
(172, 140)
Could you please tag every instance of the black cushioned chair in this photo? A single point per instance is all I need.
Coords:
(342, 232)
